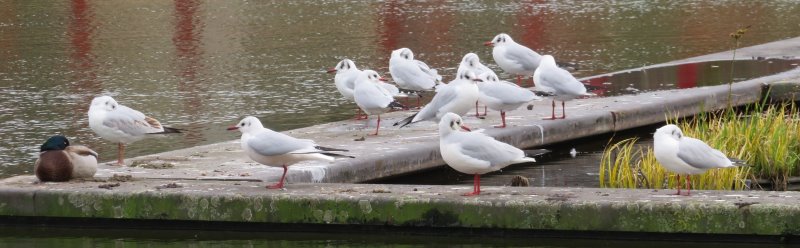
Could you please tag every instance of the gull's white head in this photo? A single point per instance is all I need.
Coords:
(500, 40)
(469, 75)
(548, 60)
(404, 53)
(451, 123)
(247, 124)
(103, 103)
(489, 76)
(343, 66)
(671, 131)
(370, 76)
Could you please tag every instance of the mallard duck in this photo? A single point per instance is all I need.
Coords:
(59, 161)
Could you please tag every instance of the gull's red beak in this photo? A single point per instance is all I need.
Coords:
(466, 128)
(331, 70)
(382, 79)
(488, 43)
(234, 127)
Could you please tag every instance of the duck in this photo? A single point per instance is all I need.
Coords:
(59, 161)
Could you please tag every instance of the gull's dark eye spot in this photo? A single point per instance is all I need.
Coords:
(471, 64)
(452, 123)
(242, 124)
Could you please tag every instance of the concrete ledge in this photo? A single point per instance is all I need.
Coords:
(532, 209)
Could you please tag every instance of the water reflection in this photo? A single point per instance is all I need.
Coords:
(202, 65)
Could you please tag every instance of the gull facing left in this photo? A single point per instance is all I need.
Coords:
(277, 149)
(122, 125)
(474, 152)
(686, 156)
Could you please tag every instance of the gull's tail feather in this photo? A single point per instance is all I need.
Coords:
(328, 149)
(406, 121)
(535, 152)
(336, 155)
(396, 105)
(739, 162)
(168, 130)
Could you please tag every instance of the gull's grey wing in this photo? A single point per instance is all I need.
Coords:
(527, 58)
(132, 122)
(271, 143)
(508, 93)
(698, 154)
(562, 81)
(480, 146)
(444, 96)
(372, 96)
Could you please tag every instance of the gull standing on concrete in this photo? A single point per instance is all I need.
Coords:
(346, 74)
(371, 97)
(502, 95)
(685, 155)
(474, 152)
(561, 83)
(122, 125)
(277, 149)
(472, 62)
(514, 58)
(411, 74)
(456, 97)
(59, 161)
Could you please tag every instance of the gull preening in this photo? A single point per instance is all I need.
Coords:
(456, 97)
(277, 149)
(122, 125)
(514, 58)
(502, 95)
(411, 74)
(59, 161)
(686, 156)
(474, 152)
(345, 81)
(371, 97)
(560, 82)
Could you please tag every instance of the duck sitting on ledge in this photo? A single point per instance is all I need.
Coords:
(58, 161)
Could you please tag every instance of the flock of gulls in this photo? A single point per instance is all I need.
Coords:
(470, 152)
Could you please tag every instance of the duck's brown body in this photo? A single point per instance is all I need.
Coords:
(63, 165)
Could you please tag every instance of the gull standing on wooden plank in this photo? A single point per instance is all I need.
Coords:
(122, 125)
(514, 58)
(411, 74)
(346, 74)
(685, 155)
(277, 149)
(502, 95)
(456, 97)
(474, 152)
(563, 85)
(371, 97)
(472, 62)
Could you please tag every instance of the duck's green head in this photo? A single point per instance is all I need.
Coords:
(55, 143)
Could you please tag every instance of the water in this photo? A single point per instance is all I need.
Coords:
(203, 65)
(23, 236)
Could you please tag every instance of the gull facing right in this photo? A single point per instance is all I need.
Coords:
(371, 97)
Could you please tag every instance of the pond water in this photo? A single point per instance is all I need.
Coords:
(202, 65)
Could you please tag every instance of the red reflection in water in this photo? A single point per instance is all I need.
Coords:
(687, 75)
(597, 85)
(533, 31)
(188, 29)
(391, 27)
(426, 35)
(80, 31)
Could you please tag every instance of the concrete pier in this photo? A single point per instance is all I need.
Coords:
(756, 216)
(218, 183)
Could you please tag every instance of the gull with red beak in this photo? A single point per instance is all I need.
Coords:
(371, 97)
(277, 149)
(514, 58)
(474, 152)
